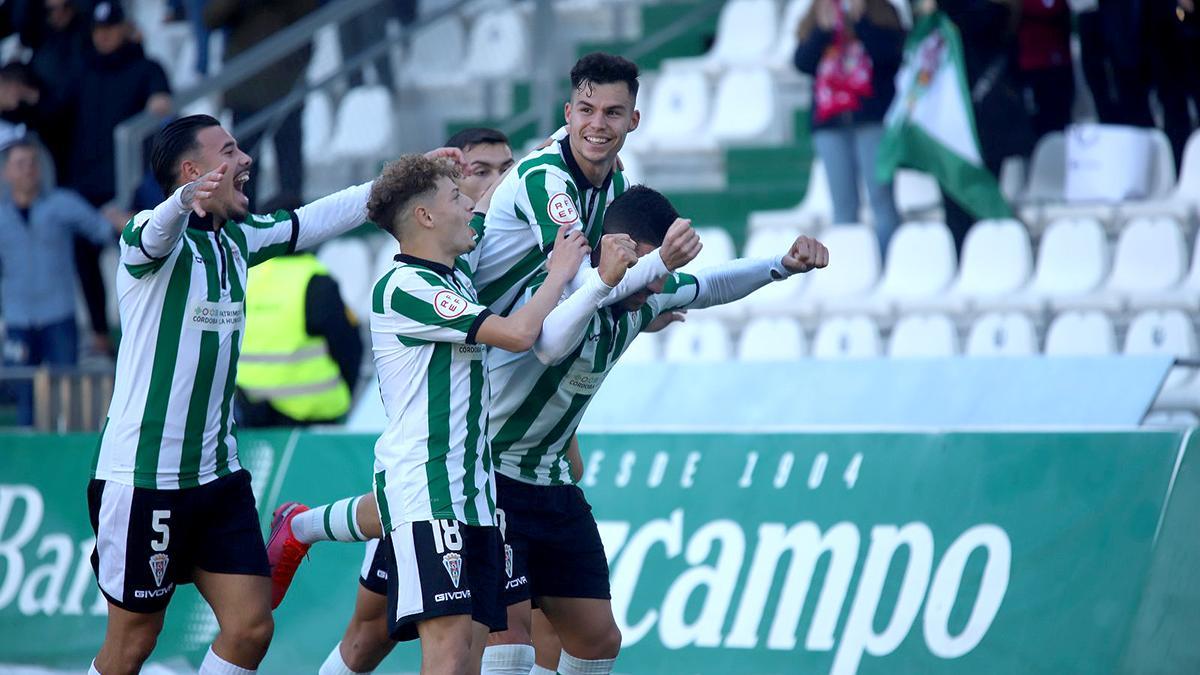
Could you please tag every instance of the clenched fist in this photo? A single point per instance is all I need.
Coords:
(617, 254)
(570, 248)
(805, 254)
(681, 245)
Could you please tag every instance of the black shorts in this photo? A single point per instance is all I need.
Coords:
(552, 544)
(374, 573)
(442, 568)
(148, 541)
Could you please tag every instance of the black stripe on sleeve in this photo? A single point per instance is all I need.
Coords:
(476, 324)
(295, 231)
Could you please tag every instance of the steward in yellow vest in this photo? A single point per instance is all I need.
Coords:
(302, 350)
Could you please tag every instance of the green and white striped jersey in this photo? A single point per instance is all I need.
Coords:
(169, 425)
(545, 191)
(538, 407)
(432, 461)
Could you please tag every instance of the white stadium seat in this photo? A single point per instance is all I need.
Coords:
(1182, 201)
(498, 44)
(744, 108)
(697, 341)
(1002, 335)
(317, 123)
(855, 337)
(815, 209)
(1047, 172)
(739, 41)
(778, 298)
(920, 263)
(924, 336)
(326, 55)
(680, 105)
(1185, 296)
(996, 262)
(1072, 262)
(785, 39)
(717, 250)
(364, 123)
(1168, 333)
(1171, 419)
(349, 263)
(1150, 258)
(1081, 334)
(916, 193)
(853, 271)
(771, 340)
(436, 56)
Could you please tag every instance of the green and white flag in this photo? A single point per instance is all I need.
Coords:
(931, 124)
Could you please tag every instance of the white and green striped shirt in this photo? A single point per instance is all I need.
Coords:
(538, 407)
(545, 191)
(432, 461)
(181, 295)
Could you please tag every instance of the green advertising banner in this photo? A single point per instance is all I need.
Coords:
(831, 553)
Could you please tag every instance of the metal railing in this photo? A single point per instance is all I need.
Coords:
(66, 398)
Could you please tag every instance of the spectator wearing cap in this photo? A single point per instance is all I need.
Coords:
(118, 82)
(247, 24)
(37, 223)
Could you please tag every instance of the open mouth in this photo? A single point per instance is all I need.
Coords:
(598, 140)
(239, 182)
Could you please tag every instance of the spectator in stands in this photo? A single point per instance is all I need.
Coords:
(61, 41)
(1044, 63)
(1173, 27)
(369, 28)
(37, 222)
(988, 29)
(852, 49)
(21, 104)
(247, 24)
(118, 82)
(302, 349)
(193, 12)
(1114, 62)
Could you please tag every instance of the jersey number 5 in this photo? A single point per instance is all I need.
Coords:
(158, 523)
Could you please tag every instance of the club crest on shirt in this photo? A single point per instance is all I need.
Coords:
(453, 564)
(561, 209)
(449, 305)
(158, 565)
(508, 560)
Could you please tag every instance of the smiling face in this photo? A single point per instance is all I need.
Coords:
(214, 147)
(599, 116)
(486, 163)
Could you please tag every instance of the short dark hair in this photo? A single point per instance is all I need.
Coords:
(469, 138)
(173, 142)
(642, 213)
(402, 181)
(601, 68)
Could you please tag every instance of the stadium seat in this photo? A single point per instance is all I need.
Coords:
(349, 263)
(1081, 334)
(744, 108)
(1150, 258)
(680, 104)
(855, 337)
(1168, 333)
(741, 27)
(926, 336)
(996, 262)
(771, 340)
(1047, 174)
(785, 40)
(1072, 261)
(436, 56)
(317, 123)
(326, 55)
(852, 273)
(1182, 201)
(999, 334)
(920, 263)
(498, 45)
(1185, 296)
(814, 210)
(778, 298)
(718, 249)
(917, 193)
(697, 340)
(364, 123)
(1171, 419)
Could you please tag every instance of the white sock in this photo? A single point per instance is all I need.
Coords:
(538, 670)
(215, 665)
(331, 522)
(92, 669)
(569, 665)
(507, 660)
(336, 665)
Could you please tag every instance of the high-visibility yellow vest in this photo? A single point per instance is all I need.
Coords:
(280, 362)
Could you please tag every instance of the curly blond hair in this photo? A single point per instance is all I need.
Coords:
(408, 178)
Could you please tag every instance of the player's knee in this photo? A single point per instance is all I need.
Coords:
(254, 632)
(365, 645)
(128, 655)
(604, 644)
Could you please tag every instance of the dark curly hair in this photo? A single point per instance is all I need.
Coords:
(406, 179)
(601, 68)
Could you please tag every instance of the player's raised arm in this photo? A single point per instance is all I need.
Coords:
(680, 246)
(518, 331)
(736, 279)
